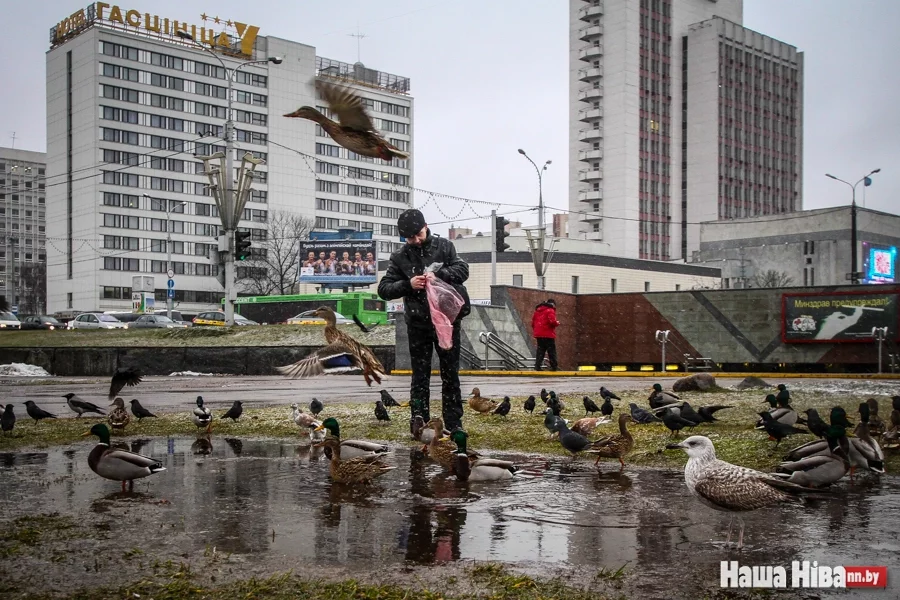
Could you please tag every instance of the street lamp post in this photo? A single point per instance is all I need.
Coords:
(227, 211)
(541, 227)
(854, 274)
(169, 264)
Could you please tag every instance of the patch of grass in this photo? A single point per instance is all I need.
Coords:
(23, 534)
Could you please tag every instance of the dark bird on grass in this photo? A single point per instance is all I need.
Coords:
(202, 415)
(234, 413)
(316, 406)
(675, 422)
(658, 398)
(550, 421)
(362, 326)
(641, 416)
(778, 431)
(8, 420)
(816, 425)
(608, 395)
(504, 407)
(572, 441)
(139, 411)
(544, 395)
(118, 465)
(355, 131)
(707, 412)
(607, 408)
(554, 404)
(79, 406)
(529, 404)
(381, 412)
(687, 412)
(781, 411)
(123, 377)
(589, 406)
(784, 396)
(388, 400)
(37, 413)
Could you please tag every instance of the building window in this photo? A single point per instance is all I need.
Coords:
(612, 286)
(574, 284)
(69, 300)
(646, 286)
(677, 287)
(518, 281)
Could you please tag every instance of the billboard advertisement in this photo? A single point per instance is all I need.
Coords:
(837, 317)
(345, 262)
(880, 264)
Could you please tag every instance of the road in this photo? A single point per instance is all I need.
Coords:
(168, 394)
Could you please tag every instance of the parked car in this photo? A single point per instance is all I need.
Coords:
(96, 321)
(41, 322)
(9, 321)
(125, 317)
(217, 317)
(307, 318)
(155, 322)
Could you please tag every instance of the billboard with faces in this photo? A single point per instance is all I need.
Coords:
(351, 262)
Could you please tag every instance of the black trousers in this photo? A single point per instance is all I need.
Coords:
(547, 345)
(422, 343)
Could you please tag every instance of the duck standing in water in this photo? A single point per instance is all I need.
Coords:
(116, 464)
(469, 468)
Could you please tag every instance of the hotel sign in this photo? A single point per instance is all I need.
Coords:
(241, 41)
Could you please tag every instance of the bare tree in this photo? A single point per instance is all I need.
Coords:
(32, 289)
(275, 263)
(772, 279)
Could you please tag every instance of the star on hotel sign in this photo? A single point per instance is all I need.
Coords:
(203, 17)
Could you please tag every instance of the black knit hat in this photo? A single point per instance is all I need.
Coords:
(411, 222)
(551, 302)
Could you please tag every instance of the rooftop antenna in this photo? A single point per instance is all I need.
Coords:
(13, 136)
(359, 36)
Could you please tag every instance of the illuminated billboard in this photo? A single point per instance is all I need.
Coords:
(345, 262)
(880, 263)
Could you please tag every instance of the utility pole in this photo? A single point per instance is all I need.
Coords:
(494, 247)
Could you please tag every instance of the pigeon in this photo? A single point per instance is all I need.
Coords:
(123, 377)
(202, 416)
(642, 416)
(503, 408)
(302, 419)
(730, 488)
(36, 412)
(589, 406)
(529, 404)
(778, 431)
(139, 411)
(388, 400)
(706, 412)
(587, 425)
(572, 441)
(675, 422)
(316, 406)
(550, 421)
(381, 412)
(658, 398)
(234, 413)
(8, 420)
(816, 425)
(608, 395)
(606, 409)
(80, 406)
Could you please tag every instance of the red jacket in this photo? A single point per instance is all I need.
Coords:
(544, 322)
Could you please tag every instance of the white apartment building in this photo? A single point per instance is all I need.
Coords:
(23, 223)
(677, 115)
(130, 106)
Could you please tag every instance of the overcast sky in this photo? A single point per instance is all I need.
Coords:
(489, 77)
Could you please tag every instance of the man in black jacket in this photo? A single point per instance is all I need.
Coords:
(405, 278)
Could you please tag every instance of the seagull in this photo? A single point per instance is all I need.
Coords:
(589, 406)
(316, 406)
(139, 411)
(608, 395)
(123, 377)
(80, 406)
(730, 488)
(36, 412)
(381, 412)
(642, 416)
(504, 407)
(529, 404)
(8, 420)
(388, 400)
(234, 413)
(607, 408)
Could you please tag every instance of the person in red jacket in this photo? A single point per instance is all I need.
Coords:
(544, 324)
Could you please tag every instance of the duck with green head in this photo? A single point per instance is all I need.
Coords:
(820, 470)
(116, 464)
(202, 415)
(659, 398)
(352, 448)
(467, 467)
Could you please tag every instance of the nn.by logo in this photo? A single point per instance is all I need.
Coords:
(803, 574)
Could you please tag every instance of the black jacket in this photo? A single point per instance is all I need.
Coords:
(409, 261)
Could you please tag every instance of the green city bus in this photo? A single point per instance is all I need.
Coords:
(368, 307)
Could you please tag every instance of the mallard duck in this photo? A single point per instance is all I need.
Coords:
(440, 448)
(616, 445)
(118, 465)
(361, 469)
(891, 437)
(781, 410)
(202, 446)
(866, 445)
(355, 131)
(118, 418)
(202, 416)
(342, 354)
(820, 470)
(659, 398)
(352, 448)
(479, 404)
(588, 424)
(467, 468)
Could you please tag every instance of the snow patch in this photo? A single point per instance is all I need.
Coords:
(22, 370)
(190, 374)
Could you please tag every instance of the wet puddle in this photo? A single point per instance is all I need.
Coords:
(272, 501)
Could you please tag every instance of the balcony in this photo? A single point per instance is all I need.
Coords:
(590, 175)
(590, 195)
(590, 154)
(589, 114)
(591, 216)
(590, 135)
(597, 236)
(591, 94)
(590, 73)
(591, 52)
(589, 12)
(588, 33)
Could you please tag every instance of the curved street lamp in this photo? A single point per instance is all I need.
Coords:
(537, 253)
(854, 274)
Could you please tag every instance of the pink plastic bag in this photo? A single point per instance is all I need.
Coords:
(444, 303)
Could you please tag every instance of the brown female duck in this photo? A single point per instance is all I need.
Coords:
(616, 445)
(479, 404)
(118, 418)
(361, 469)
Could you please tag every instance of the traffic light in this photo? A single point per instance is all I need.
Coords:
(500, 233)
(241, 245)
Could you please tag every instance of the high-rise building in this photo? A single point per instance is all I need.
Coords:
(23, 222)
(130, 107)
(655, 141)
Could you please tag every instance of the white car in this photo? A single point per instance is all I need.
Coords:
(96, 321)
(9, 321)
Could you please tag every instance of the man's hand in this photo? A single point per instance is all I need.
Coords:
(418, 282)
